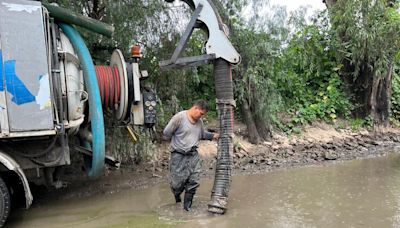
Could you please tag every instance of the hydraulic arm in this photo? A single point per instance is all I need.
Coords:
(205, 17)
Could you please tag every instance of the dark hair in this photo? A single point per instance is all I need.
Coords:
(202, 104)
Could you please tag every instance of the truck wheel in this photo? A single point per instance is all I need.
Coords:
(5, 202)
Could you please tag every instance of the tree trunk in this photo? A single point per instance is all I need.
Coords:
(254, 137)
(361, 89)
(371, 94)
(329, 3)
(263, 129)
(380, 98)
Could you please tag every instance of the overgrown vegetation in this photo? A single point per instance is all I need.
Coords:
(309, 80)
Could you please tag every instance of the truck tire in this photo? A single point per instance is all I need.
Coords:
(5, 202)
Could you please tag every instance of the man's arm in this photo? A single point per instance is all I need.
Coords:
(171, 127)
(206, 135)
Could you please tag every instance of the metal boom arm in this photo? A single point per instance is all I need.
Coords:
(217, 46)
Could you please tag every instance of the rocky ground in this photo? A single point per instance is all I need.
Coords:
(316, 144)
(310, 151)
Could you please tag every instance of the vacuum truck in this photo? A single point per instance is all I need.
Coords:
(50, 92)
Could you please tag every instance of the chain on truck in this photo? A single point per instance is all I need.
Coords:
(51, 92)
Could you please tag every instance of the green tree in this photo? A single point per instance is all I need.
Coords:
(368, 33)
(254, 90)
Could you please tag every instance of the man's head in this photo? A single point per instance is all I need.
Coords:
(198, 109)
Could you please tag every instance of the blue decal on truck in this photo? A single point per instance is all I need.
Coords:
(15, 86)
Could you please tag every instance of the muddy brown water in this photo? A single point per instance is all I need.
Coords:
(360, 193)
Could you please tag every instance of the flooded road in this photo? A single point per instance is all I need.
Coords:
(361, 193)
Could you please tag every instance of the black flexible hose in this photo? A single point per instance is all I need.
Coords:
(41, 153)
(225, 105)
(50, 163)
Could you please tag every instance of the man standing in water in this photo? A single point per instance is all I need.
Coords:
(185, 130)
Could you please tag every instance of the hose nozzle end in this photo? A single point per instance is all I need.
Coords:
(218, 205)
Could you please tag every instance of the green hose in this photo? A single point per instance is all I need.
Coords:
(69, 17)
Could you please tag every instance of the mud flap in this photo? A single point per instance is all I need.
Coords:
(12, 165)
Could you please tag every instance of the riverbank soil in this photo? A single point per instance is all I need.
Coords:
(316, 144)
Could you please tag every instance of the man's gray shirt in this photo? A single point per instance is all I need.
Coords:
(184, 134)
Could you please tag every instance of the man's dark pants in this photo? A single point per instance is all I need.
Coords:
(185, 169)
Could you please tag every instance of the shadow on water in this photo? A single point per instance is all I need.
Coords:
(361, 193)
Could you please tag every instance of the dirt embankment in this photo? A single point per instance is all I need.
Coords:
(315, 145)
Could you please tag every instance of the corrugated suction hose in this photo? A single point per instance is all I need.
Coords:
(225, 106)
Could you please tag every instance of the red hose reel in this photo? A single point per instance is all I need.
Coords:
(113, 85)
(109, 85)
